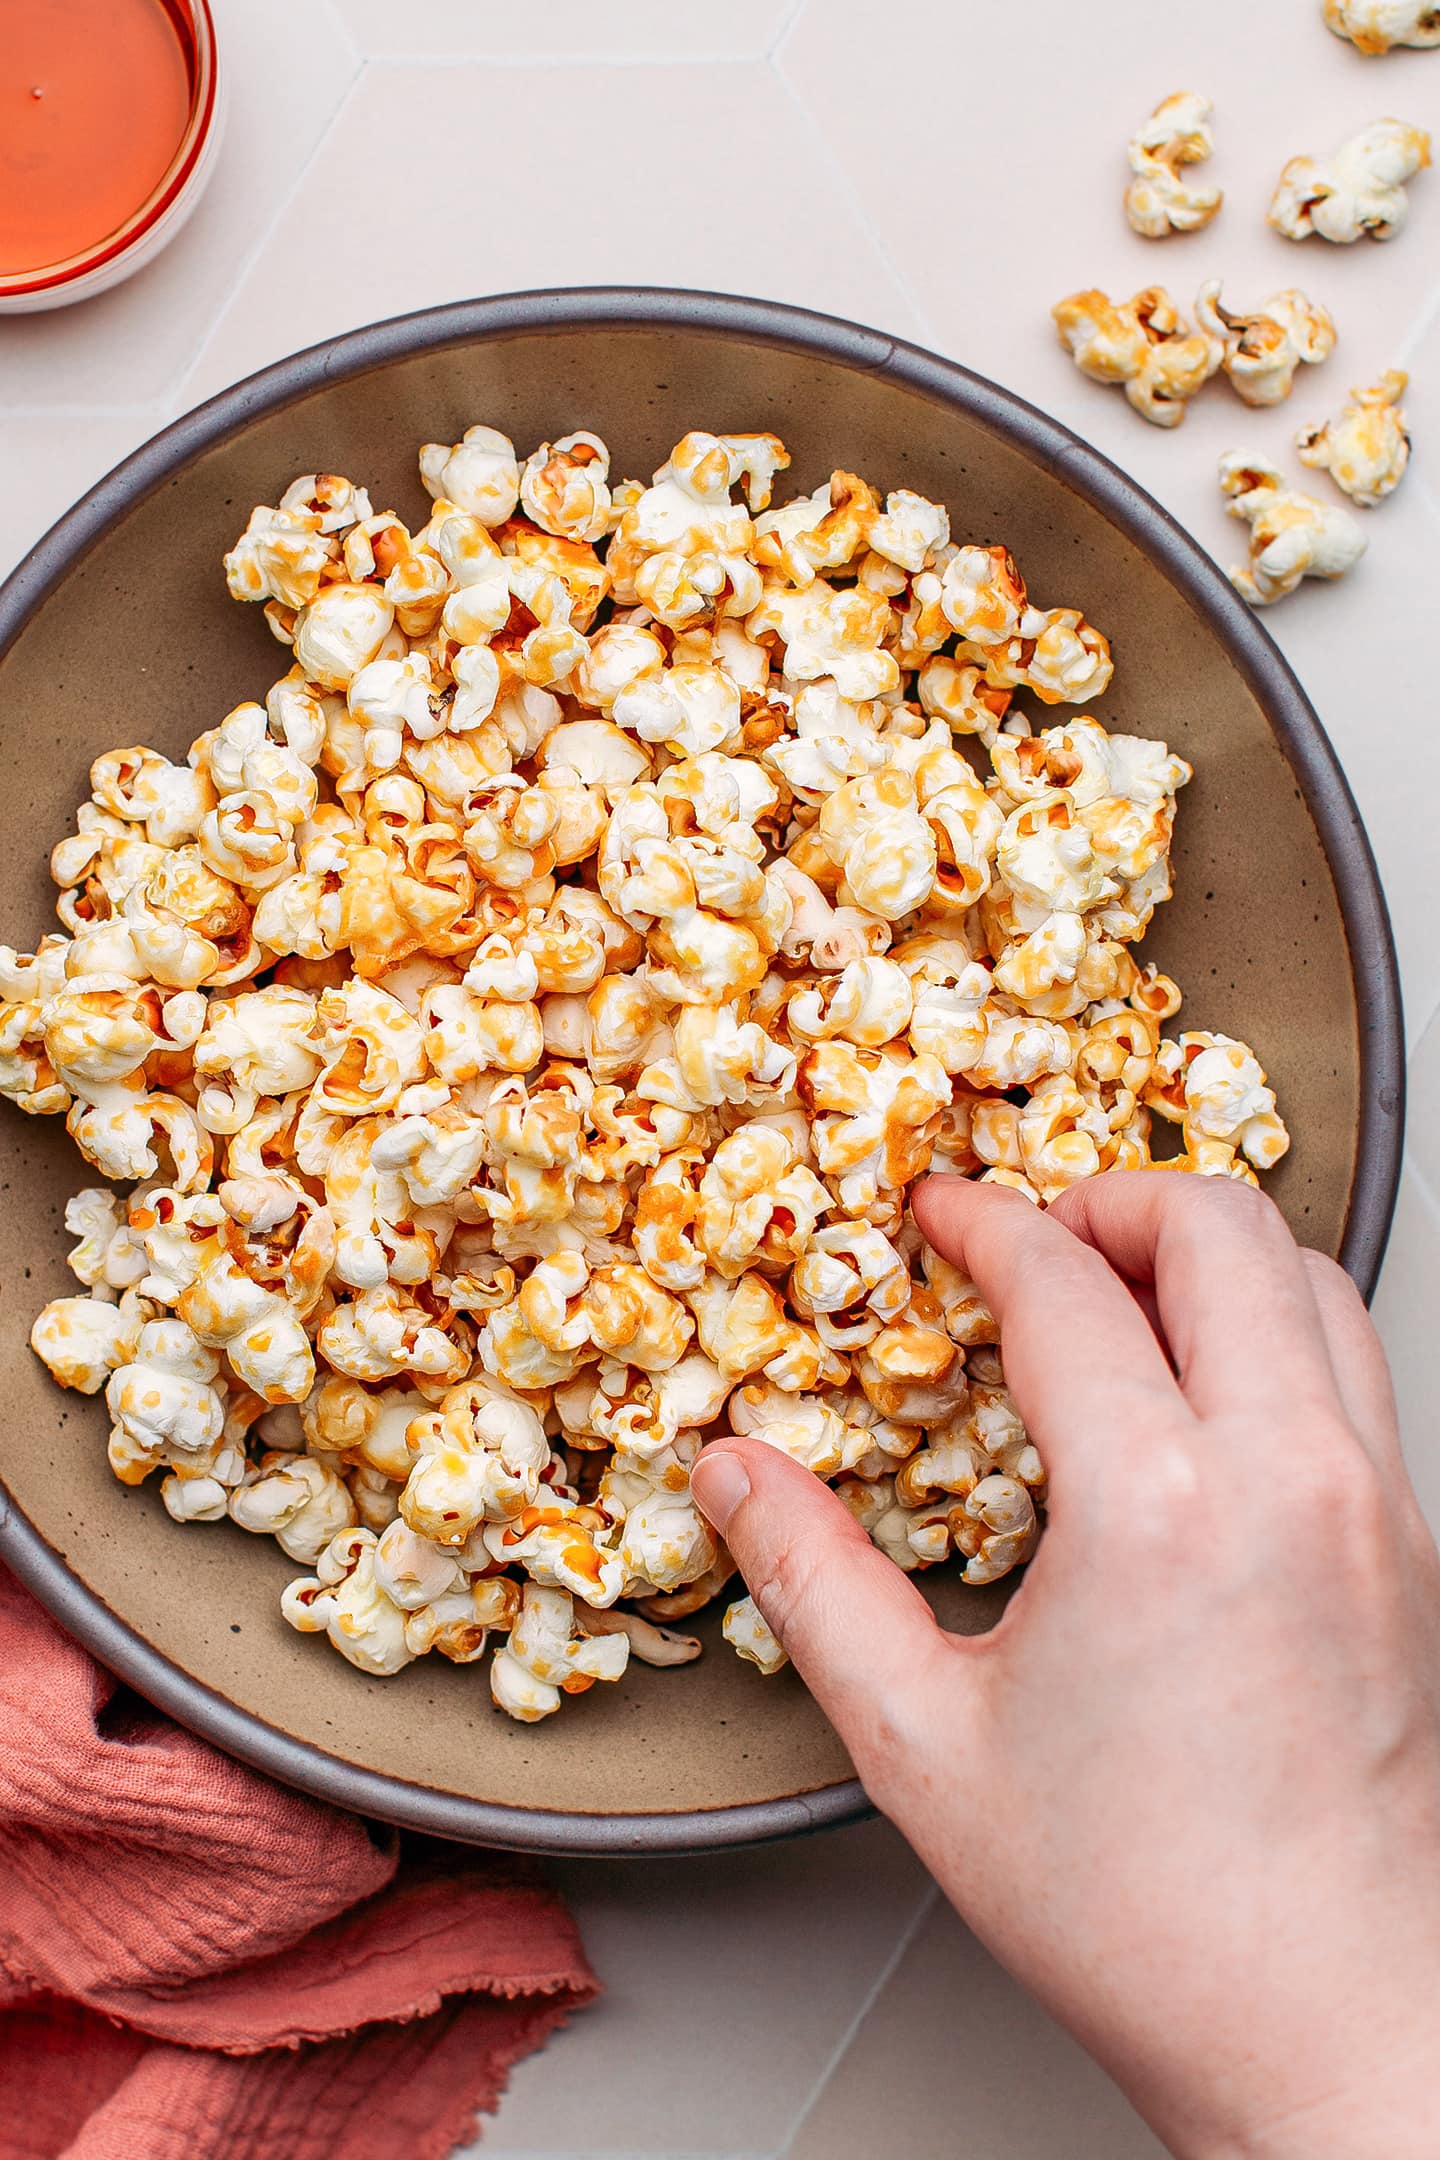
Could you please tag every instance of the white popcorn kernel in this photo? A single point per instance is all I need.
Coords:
(296, 1499)
(995, 1527)
(164, 1404)
(830, 632)
(194, 1496)
(1142, 343)
(1159, 200)
(873, 832)
(563, 487)
(1292, 536)
(1217, 1088)
(106, 1257)
(1358, 192)
(82, 1340)
(911, 531)
(410, 1570)
(752, 1638)
(1377, 26)
(1263, 350)
(480, 474)
(344, 1600)
(340, 632)
(479, 1458)
(544, 1656)
(1366, 450)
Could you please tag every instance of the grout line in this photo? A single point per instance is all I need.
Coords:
(344, 33)
(851, 196)
(842, 2046)
(782, 35)
(175, 395)
(1418, 331)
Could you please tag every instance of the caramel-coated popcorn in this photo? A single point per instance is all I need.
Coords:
(1144, 344)
(1292, 536)
(1356, 193)
(519, 1033)
(1376, 26)
(1159, 199)
(1263, 350)
(1366, 450)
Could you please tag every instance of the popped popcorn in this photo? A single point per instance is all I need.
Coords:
(1375, 26)
(1263, 350)
(1143, 343)
(1358, 192)
(1367, 449)
(519, 1032)
(1159, 200)
(1292, 536)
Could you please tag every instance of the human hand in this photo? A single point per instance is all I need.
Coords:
(1188, 1789)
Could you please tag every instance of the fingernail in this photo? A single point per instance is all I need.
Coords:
(720, 1482)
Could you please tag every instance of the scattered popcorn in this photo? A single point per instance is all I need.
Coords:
(1159, 200)
(1143, 343)
(1292, 536)
(517, 1035)
(1357, 192)
(1367, 449)
(1375, 26)
(1263, 350)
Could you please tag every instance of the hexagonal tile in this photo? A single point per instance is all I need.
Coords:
(568, 30)
(684, 199)
(730, 1982)
(285, 70)
(902, 2085)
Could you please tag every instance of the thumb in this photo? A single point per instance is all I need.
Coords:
(861, 1636)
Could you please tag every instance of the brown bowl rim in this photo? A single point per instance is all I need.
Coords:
(1106, 488)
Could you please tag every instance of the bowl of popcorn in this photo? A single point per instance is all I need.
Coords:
(532, 826)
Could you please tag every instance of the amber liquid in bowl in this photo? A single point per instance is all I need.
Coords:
(94, 100)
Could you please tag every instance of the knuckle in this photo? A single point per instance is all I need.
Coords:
(1330, 1281)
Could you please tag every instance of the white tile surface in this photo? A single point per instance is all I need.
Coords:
(953, 2058)
(728, 1982)
(582, 198)
(634, 31)
(945, 173)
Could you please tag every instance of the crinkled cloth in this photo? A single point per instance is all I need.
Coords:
(196, 1964)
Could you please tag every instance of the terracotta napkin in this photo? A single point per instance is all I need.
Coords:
(196, 1964)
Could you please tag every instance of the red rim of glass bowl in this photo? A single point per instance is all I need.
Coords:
(195, 27)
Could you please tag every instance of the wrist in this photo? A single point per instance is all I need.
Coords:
(1374, 2100)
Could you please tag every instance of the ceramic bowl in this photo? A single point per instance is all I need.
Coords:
(118, 629)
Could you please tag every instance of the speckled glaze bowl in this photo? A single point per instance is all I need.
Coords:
(117, 628)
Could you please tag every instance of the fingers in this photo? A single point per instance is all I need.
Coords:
(862, 1637)
(1081, 1357)
(1356, 1358)
(1234, 1297)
